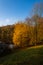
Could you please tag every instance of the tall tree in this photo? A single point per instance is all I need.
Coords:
(21, 35)
(37, 11)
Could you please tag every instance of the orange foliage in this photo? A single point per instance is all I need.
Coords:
(21, 35)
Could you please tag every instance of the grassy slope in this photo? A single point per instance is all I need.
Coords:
(29, 56)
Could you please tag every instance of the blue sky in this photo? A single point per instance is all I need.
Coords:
(12, 11)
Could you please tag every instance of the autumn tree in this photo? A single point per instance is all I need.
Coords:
(6, 33)
(21, 35)
(38, 11)
(40, 29)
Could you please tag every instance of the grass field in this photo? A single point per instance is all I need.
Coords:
(28, 56)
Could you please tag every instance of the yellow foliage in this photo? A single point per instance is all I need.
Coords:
(21, 35)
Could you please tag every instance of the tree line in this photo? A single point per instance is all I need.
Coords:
(23, 33)
(6, 33)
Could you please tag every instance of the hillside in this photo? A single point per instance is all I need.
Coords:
(6, 33)
(28, 56)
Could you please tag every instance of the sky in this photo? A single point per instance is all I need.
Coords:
(12, 11)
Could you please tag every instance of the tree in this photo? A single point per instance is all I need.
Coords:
(37, 11)
(6, 33)
(21, 35)
(40, 29)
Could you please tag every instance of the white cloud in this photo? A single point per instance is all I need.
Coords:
(4, 22)
(7, 20)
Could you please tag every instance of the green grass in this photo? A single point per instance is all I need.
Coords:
(28, 56)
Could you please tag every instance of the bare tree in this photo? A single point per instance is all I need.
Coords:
(37, 11)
